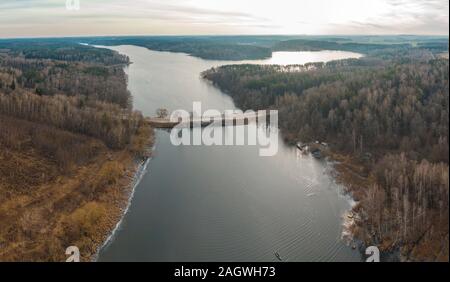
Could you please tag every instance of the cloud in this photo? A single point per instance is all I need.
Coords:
(50, 17)
(403, 17)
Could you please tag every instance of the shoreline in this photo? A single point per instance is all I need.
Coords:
(138, 168)
(352, 174)
(87, 219)
(139, 156)
(343, 171)
(139, 172)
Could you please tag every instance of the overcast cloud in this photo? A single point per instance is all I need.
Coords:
(19, 18)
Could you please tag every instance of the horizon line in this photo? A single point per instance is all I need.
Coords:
(215, 35)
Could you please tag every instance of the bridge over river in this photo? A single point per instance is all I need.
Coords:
(222, 120)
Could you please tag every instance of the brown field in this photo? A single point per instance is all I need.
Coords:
(60, 189)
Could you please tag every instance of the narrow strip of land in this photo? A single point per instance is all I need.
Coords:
(223, 120)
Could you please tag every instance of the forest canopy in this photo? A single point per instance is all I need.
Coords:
(68, 144)
(243, 47)
(388, 112)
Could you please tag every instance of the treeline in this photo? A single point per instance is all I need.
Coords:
(214, 47)
(436, 46)
(259, 86)
(202, 47)
(317, 45)
(61, 49)
(408, 207)
(72, 87)
(59, 189)
(77, 91)
(369, 108)
(81, 97)
(395, 107)
(58, 149)
(260, 47)
(49, 77)
(108, 122)
(401, 108)
(69, 144)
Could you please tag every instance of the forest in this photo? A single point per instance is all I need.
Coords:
(386, 118)
(60, 49)
(243, 47)
(69, 146)
(204, 48)
(70, 138)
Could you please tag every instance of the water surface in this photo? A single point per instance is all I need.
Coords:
(300, 58)
(222, 203)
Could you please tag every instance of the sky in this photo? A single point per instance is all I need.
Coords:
(36, 18)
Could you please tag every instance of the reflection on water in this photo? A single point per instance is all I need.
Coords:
(301, 58)
(221, 203)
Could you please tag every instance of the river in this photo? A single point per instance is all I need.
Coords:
(223, 203)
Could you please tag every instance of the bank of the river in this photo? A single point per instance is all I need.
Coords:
(135, 170)
(79, 206)
(356, 176)
(135, 160)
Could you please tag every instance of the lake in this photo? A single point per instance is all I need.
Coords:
(224, 203)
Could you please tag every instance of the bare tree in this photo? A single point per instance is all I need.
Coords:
(162, 113)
